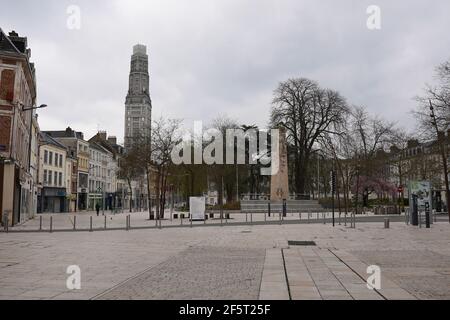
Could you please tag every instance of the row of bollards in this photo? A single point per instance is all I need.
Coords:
(158, 222)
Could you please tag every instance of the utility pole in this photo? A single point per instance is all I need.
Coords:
(443, 155)
(237, 182)
(333, 190)
(318, 176)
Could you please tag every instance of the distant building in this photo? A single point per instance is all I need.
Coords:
(420, 161)
(102, 176)
(18, 129)
(138, 104)
(52, 175)
(79, 148)
(111, 186)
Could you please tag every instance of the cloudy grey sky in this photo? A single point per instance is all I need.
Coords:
(210, 57)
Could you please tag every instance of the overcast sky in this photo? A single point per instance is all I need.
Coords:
(211, 57)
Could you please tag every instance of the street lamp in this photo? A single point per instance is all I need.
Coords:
(33, 108)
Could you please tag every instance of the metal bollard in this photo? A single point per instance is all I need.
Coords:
(268, 208)
(300, 216)
(246, 217)
(191, 222)
(90, 228)
(40, 223)
(251, 218)
(265, 217)
(74, 223)
(427, 219)
(105, 222)
(51, 223)
(386, 223)
(420, 219)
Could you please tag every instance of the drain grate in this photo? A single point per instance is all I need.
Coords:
(301, 243)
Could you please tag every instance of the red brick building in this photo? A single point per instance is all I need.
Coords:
(18, 129)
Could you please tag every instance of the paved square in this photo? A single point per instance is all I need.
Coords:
(230, 262)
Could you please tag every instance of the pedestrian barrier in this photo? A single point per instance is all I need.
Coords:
(251, 218)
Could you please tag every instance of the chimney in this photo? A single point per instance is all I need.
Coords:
(102, 135)
(19, 42)
(112, 140)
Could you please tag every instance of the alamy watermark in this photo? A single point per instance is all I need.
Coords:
(73, 281)
(208, 148)
(74, 17)
(374, 280)
(374, 19)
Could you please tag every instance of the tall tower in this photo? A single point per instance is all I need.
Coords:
(138, 104)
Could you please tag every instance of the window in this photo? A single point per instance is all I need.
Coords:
(50, 158)
(56, 178)
(50, 177)
(45, 176)
(60, 161)
(60, 179)
(45, 158)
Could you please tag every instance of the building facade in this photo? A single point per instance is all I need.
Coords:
(78, 148)
(102, 176)
(18, 129)
(138, 105)
(52, 176)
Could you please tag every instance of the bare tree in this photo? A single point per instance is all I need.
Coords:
(129, 170)
(433, 114)
(371, 136)
(307, 112)
(165, 136)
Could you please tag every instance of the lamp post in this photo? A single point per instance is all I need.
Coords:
(443, 155)
(28, 108)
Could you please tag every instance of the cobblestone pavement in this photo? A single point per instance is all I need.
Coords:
(198, 273)
(148, 263)
(425, 273)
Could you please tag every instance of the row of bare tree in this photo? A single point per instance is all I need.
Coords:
(319, 123)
